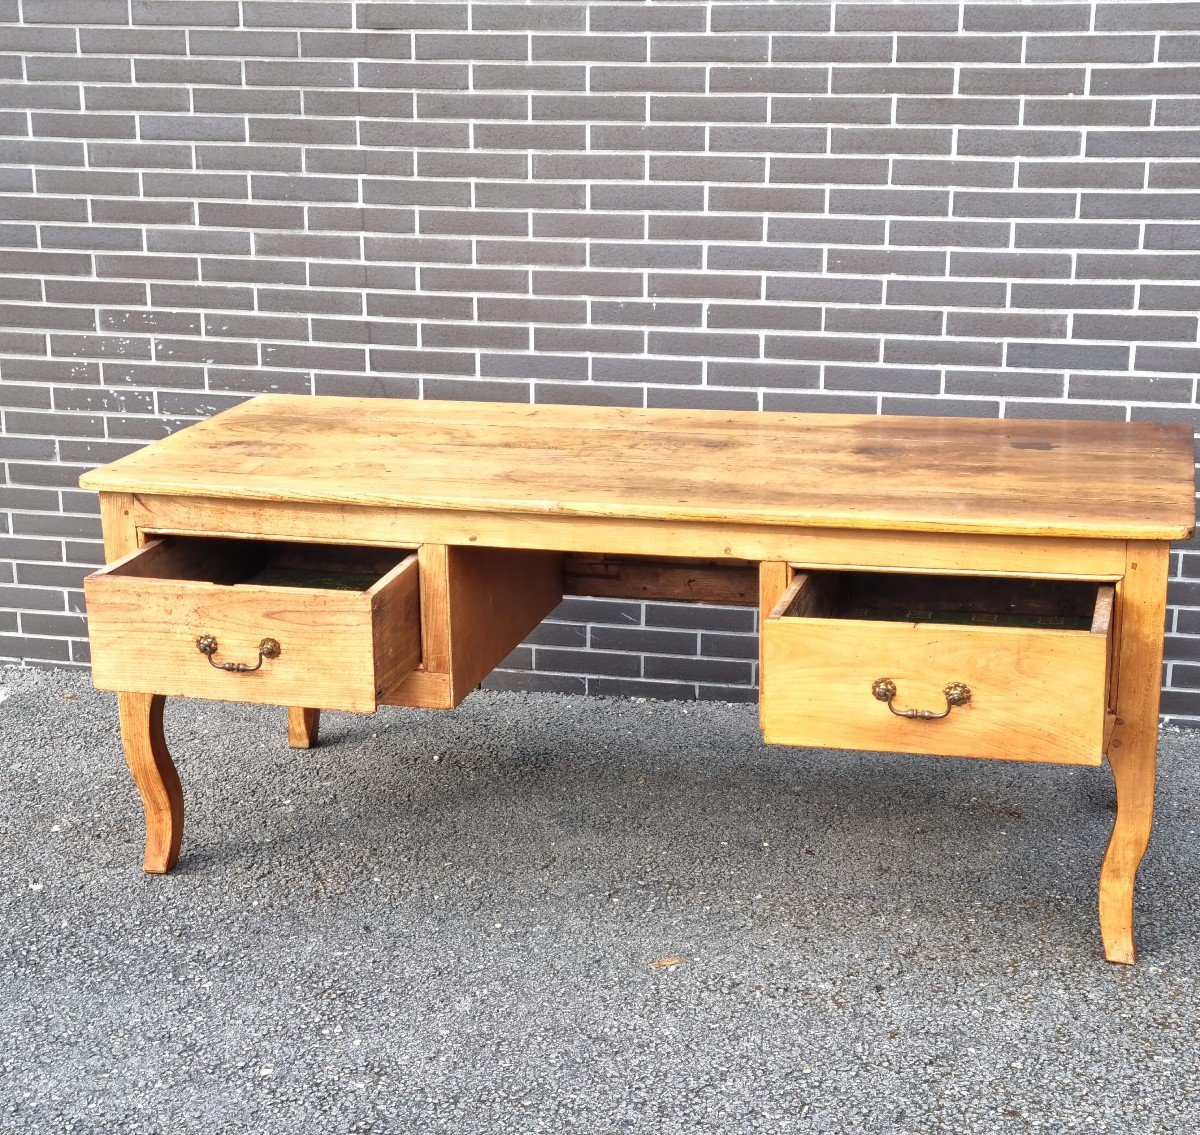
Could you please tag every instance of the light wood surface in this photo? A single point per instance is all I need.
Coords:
(1036, 694)
(477, 606)
(141, 719)
(1092, 479)
(153, 771)
(304, 726)
(1132, 752)
(973, 554)
(497, 596)
(339, 649)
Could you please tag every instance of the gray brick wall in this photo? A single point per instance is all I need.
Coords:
(938, 208)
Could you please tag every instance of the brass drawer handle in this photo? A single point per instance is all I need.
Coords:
(207, 645)
(956, 693)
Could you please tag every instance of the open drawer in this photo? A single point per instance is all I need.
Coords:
(243, 620)
(947, 665)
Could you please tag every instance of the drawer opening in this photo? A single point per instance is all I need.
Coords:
(263, 563)
(977, 601)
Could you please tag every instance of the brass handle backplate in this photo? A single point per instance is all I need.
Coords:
(956, 693)
(207, 645)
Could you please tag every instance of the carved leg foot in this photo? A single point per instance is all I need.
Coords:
(303, 727)
(155, 776)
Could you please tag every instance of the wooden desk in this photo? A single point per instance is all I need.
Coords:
(961, 587)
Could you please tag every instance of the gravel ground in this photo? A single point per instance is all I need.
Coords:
(450, 923)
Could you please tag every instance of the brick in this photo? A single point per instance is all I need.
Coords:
(956, 111)
(659, 667)
(710, 343)
(944, 352)
(829, 109)
(323, 44)
(521, 17)
(652, 313)
(784, 376)
(1042, 17)
(709, 49)
(1078, 174)
(821, 230)
(1147, 17)
(1177, 112)
(909, 17)
(1018, 143)
(1010, 265)
(410, 14)
(958, 49)
(823, 348)
(1006, 325)
(700, 398)
(936, 232)
(1167, 297)
(952, 172)
(1143, 388)
(1143, 144)
(1148, 80)
(632, 18)
(644, 640)
(1139, 205)
(896, 81)
(1067, 356)
(788, 317)
(767, 80)
(1075, 234)
(700, 108)
(831, 49)
(1025, 81)
(889, 140)
(759, 258)
(1184, 360)
(1178, 235)
(1123, 328)
(909, 380)
(940, 407)
(886, 262)
(49, 124)
(1005, 383)
(890, 202)
(709, 285)
(551, 77)
(469, 46)
(1009, 205)
(815, 17)
(776, 139)
(78, 11)
(1172, 48)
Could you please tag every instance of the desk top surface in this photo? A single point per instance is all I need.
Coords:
(1044, 478)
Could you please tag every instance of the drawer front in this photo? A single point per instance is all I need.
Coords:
(336, 649)
(1035, 695)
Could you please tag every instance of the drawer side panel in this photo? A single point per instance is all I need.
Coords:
(396, 602)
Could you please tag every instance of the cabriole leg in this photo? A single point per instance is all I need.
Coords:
(155, 776)
(1133, 749)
